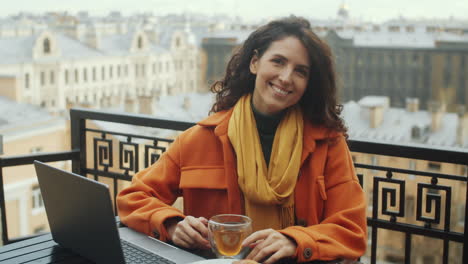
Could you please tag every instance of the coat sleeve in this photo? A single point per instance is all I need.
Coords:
(145, 204)
(342, 232)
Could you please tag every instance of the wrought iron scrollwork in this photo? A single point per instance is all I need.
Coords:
(389, 197)
(103, 153)
(433, 204)
(128, 157)
(152, 154)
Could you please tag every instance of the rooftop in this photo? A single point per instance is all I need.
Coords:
(20, 118)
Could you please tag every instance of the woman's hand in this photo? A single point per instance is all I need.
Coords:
(189, 233)
(269, 245)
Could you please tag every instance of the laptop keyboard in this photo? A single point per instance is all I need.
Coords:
(134, 254)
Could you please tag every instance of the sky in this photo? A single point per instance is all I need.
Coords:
(368, 10)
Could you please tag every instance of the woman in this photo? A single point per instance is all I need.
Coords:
(274, 149)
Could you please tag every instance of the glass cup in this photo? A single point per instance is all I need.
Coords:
(226, 233)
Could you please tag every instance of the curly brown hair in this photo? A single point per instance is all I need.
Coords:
(319, 102)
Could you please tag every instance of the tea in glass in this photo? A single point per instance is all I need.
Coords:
(226, 233)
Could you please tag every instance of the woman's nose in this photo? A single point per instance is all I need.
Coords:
(285, 75)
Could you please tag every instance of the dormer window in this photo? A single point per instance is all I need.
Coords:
(46, 46)
(140, 43)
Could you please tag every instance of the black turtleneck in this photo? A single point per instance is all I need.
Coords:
(266, 126)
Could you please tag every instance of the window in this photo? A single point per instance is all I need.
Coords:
(42, 78)
(433, 166)
(177, 42)
(136, 69)
(52, 77)
(140, 43)
(26, 80)
(76, 76)
(126, 70)
(103, 73)
(394, 29)
(46, 47)
(154, 68)
(37, 202)
(118, 70)
(110, 72)
(66, 76)
(143, 70)
(85, 75)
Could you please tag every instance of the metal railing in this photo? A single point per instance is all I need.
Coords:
(118, 153)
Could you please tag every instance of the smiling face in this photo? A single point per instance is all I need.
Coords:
(282, 74)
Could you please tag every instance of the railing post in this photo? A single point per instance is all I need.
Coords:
(78, 141)
(3, 206)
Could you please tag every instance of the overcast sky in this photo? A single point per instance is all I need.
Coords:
(370, 10)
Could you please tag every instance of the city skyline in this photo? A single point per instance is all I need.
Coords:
(364, 9)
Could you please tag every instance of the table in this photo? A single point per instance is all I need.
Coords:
(43, 250)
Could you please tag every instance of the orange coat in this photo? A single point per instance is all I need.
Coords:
(201, 166)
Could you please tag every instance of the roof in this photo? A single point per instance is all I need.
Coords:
(398, 124)
(401, 39)
(19, 49)
(20, 118)
(16, 50)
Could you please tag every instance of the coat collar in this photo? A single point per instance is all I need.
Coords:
(312, 133)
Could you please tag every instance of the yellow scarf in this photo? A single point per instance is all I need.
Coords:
(268, 191)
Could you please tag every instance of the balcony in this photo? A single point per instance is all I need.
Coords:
(414, 214)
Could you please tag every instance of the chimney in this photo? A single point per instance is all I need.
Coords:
(145, 105)
(93, 39)
(437, 111)
(462, 127)
(130, 105)
(373, 107)
(412, 105)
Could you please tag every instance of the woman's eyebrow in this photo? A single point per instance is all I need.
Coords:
(305, 67)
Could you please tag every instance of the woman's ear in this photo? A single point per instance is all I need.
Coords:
(254, 62)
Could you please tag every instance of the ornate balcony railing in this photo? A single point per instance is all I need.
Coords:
(112, 147)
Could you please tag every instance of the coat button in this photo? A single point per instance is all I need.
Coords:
(302, 222)
(156, 234)
(307, 253)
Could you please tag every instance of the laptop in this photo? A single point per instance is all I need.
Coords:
(81, 219)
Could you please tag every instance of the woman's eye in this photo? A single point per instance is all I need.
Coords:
(277, 61)
(302, 73)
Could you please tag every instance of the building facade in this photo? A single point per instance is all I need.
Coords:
(95, 66)
(28, 129)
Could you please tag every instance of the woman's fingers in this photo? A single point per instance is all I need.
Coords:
(191, 233)
(257, 236)
(275, 246)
